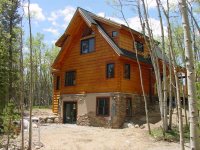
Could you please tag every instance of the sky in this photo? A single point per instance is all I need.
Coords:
(51, 17)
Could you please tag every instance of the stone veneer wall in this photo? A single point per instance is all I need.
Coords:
(117, 112)
(91, 119)
(138, 108)
(138, 105)
(120, 111)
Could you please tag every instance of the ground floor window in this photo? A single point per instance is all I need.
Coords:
(128, 106)
(102, 106)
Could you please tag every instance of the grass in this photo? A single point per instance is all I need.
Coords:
(171, 135)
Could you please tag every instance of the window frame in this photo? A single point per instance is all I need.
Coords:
(97, 106)
(66, 82)
(116, 34)
(129, 111)
(138, 49)
(129, 77)
(57, 82)
(88, 42)
(113, 76)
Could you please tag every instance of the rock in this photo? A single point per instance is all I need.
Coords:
(51, 117)
(136, 126)
(26, 124)
(83, 120)
(37, 147)
(130, 125)
(35, 125)
(56, 120)
(125, 125)
(142, 127)
(49, 120)
(42, 120)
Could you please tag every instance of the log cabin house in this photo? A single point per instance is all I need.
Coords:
(96, 76)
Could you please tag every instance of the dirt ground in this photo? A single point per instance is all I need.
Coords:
(73, 137)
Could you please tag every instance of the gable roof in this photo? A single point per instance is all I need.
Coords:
(92, 19)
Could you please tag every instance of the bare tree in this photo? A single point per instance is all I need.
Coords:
(179, 41)
(193, 18)
(164, 70)
(154, 59)
(22, 88)
(194, 136)
(31, 81)
(171, 50)
(139, 67)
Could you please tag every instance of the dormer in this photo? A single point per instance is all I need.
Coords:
(87, 41)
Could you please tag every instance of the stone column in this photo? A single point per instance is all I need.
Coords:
(60, 111)
(119, 103)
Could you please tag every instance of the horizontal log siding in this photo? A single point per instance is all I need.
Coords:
(54, 82)
(133, 84)
(126, 42)
(109, 29)
(90, 68)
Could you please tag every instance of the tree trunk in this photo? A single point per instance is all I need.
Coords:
(31, 81)
(140, 70)
(184, 105)
(170, 94)
(194, 136)
(10, 91)
(176, 78)
(22, 89)
(8, 134)
(151, 46)
(165, 127)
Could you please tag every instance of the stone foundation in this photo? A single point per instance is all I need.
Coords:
(91, 119)
(86, 115)
(119, 118)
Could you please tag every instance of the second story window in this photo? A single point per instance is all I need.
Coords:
(70, 78)
(139, 46)
(87, 46)
(114, 33)
(110, 70)
(57, 82)
(127, 70)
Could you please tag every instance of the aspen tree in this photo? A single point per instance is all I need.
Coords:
(189, 58)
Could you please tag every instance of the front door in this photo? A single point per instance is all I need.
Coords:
(70, 112)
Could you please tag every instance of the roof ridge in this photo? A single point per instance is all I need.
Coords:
(100, 17)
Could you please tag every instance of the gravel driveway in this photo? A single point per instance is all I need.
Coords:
(73, 137)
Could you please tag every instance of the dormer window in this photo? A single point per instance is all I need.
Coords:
(139, 46)
(87, 45)
(114, 33)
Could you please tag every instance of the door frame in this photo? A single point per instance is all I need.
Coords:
(72, 102)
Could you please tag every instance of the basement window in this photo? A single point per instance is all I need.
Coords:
(70, 78)
(87, 45)
(102, 106)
